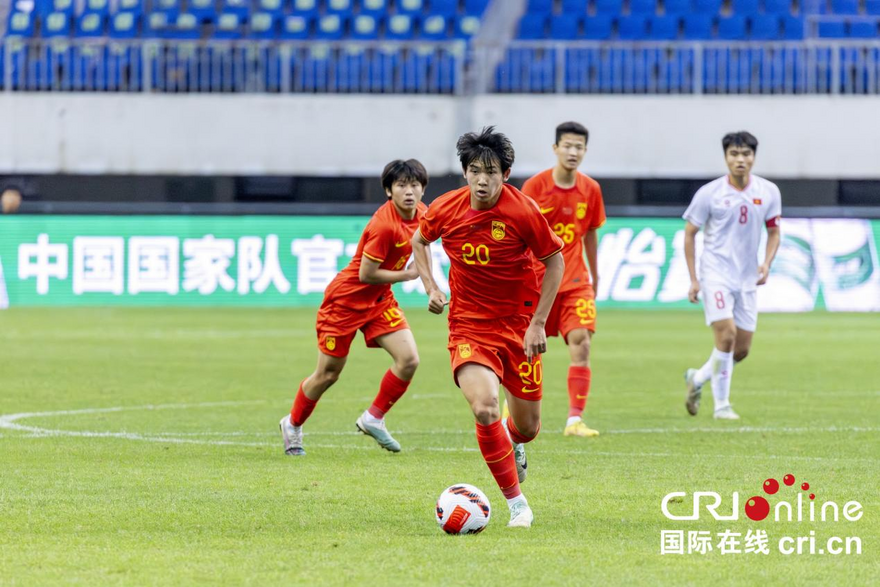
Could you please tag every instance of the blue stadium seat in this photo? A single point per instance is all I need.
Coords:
(410, 7)
(203, 10)
(564, 27)
(832, 30)
(435, 27)
(365, 27)
(229, 26)
(612, 7)
(793, 28)
(872, 7)
(863, 29)
(350, 69)
(445, 72)
(296, 28)
(765, 27)
(578, 7)
(697, 27)
(101, 7)
(400, 27)
(597, 28)
(132, 6)
(732, 28)
(539, 7)
(343, 7)
(330, 27)
(632, 28)
(475, 7)
(677, 7)
(124, 25)
(448, 8)
(377, 8)
(274, 7)
(90, 24)
(240, 8)
(710, 7)
(186, 26)
(781, 7)
(414, 69)
(305, 8)
(533, 26)
(56, 24)
(264, 25)
(21, 24)
(744, 7)
(663, 28)
(646, 7)
(845, 7)
(67, 7)
(156, 25)
(466, 26)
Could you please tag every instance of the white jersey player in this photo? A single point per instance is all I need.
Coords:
(732, 211)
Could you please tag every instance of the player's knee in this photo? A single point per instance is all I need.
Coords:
(486, 413)
(407, 365)
(740, 355)
(530, 428)
(327, 377)
(726, 339)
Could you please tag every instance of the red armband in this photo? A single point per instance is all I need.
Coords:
(774, 222)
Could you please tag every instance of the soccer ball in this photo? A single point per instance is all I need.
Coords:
(463, 509)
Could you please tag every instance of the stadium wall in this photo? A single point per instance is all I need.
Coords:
(288, 261)
(821, 137)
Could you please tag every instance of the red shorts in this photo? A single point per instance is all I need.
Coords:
(497, 344)
(571, 310)
(338, 325)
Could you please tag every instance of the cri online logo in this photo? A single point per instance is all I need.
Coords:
(757, 507)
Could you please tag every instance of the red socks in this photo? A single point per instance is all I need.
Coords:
(498, 453)
(302, 407)
(516, 435)
(578, 390)
(391, 389)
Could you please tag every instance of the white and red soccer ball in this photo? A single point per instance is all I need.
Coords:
(463, 509)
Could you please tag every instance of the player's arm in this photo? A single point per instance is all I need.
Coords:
(372, 274)
(773, 238)
(535, 340)
(424, 267)
(690, 255)
(591, 247)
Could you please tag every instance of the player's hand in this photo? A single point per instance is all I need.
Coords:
(437, 301)
(694, 292)
(535, 341)
(763, 274)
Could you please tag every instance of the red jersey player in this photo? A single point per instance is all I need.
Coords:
(572, 204)
(490, 231)
(360, 298)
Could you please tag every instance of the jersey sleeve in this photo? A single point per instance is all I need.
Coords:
(598, 216)
(537, 234)
(429, 225)
(774, 210)
(531, 188)
(698, 211)
(377, 240)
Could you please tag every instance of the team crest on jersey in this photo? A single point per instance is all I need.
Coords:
(757, 201)
(581, 210)
(330, 342)
(464, 351)
(498, 230)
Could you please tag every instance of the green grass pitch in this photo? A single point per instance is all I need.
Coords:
(196, 490)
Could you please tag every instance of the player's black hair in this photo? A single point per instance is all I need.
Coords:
(488, 147)
(572, 128)
(740, 139)
(400, 170)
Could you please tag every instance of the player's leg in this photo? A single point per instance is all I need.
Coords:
(401, 345)
(745, 316)
(722, 368)
(579, 378)
(718, 304)
(743, 345)
(479, 384)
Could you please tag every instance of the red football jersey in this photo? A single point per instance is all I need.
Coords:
(571, 212)
(491, 273)
(387, 240)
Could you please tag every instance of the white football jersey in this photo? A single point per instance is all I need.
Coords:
(732, 222)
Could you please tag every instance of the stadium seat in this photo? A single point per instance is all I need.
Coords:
(156, 25)
(564, 27)
(646, 7)
(296, 28)
(101, 7)
(872, 7)
(447, 8)
(663, 28)
(532, 26)
(365, 27)
(732, 28)
(186, 26)
(677, 7)
(578, 7)
(240, 8)
(56, 24)
(264, 25)
(475, 7)
(171, 8)
(410, 7)
(21, 24)
(466, 26)
(863, 29)
(132, 6)
(539, 7)
(744, 7)
(632, 28)
(124, 25)
(90, 24)
(793, 28)
(697, 27)
(710, 7)
(274, 7)
(832, 30)
(376, 8)
(229, 26)
(306, 8)
(341, 7)
(399, 27)
(597, 28)
(435, 27)
(781, 7)
(330, 27)
(765, 27)
(67, 7)
(612, 7)
(844, 7)
(203, 10)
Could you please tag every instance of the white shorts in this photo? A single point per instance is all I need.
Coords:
(721, 303)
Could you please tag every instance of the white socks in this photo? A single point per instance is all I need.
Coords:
(371, 420)
(515, 500)
(722, 372)
(572, 420)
